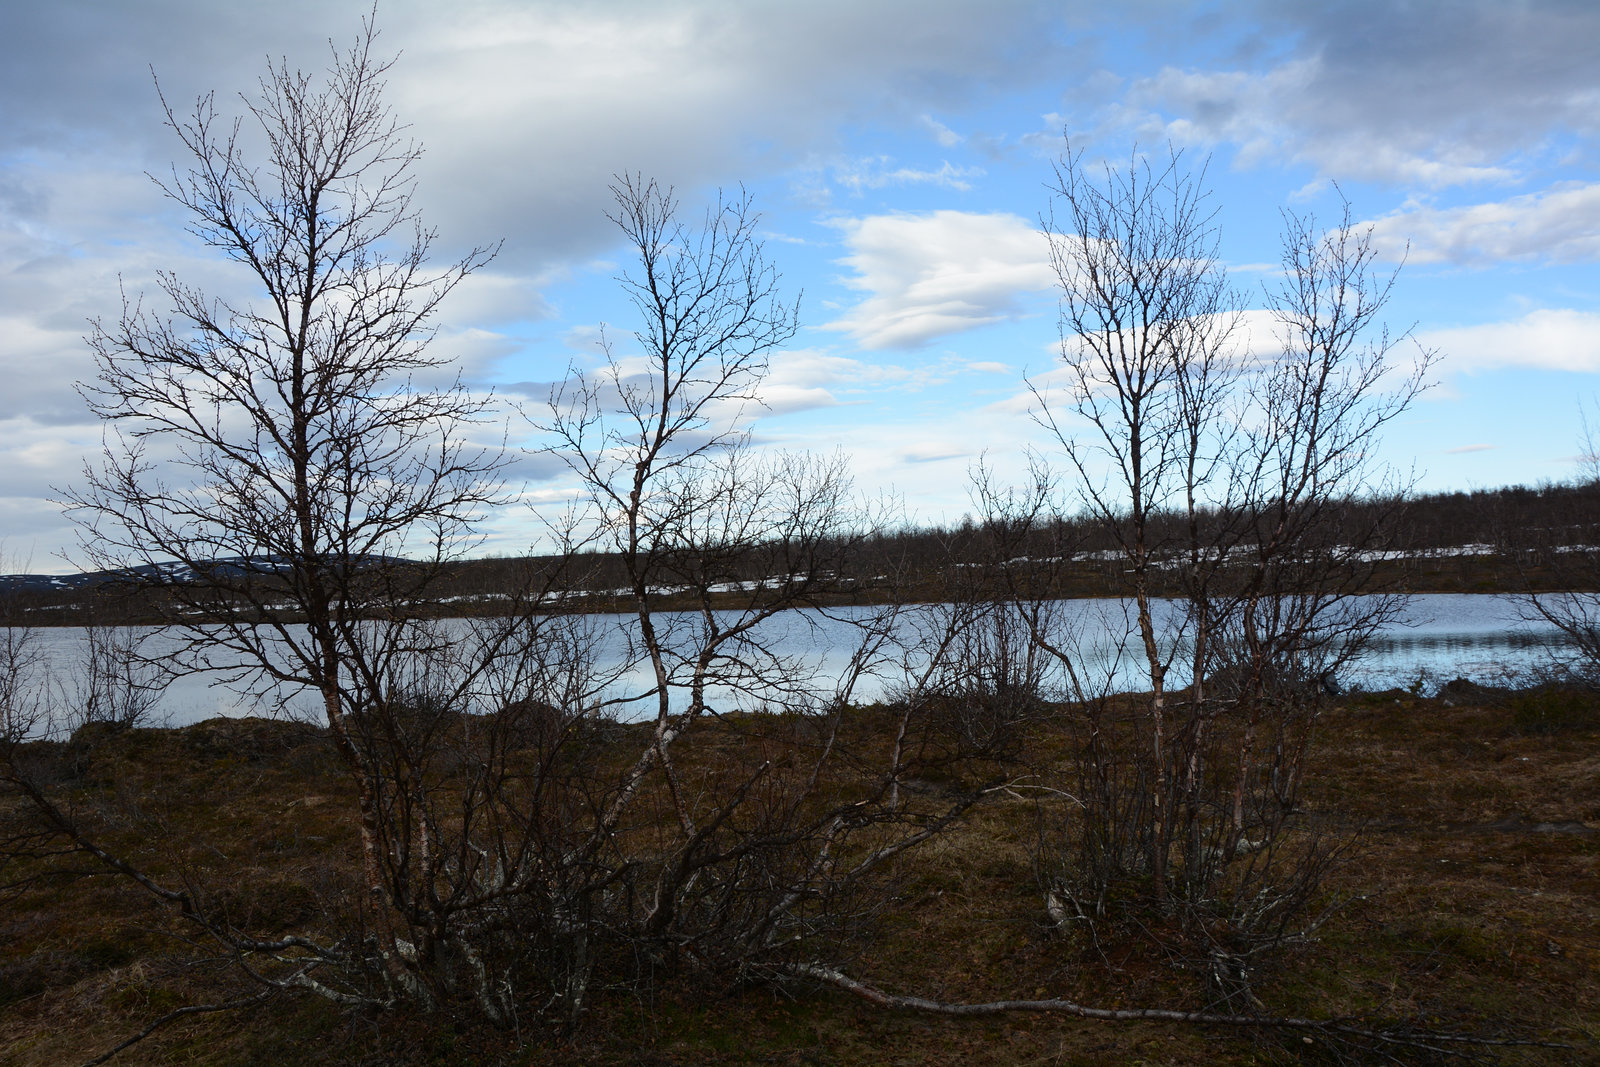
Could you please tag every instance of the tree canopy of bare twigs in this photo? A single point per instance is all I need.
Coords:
(1219, 466)
(279, 468)
(670, 486)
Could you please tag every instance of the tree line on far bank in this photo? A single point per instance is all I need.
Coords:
(1510, 539)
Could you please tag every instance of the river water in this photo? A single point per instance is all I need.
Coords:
(1441, 637)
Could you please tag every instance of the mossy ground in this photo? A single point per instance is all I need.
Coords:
(1469, 903)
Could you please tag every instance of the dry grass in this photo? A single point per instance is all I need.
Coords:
(1470, 904)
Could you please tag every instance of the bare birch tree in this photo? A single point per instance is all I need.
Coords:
(280, 470)
(1148, 332)
(756, 850)
(1221, 478)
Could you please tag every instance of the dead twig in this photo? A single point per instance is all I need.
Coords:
(1402, 1037)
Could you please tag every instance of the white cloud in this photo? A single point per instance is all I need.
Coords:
(944, 135)
(927, 470)
(806, 379)
(1551, 339)
(936, 452)
(808, 368)
(1254, 268)
(814, 183)
(780, 399)
(1560, 225)
(876, 173)
(933, 274)
(491, 296)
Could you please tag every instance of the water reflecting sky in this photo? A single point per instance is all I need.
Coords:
(1442, 636)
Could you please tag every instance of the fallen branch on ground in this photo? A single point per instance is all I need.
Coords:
(1405, 1037)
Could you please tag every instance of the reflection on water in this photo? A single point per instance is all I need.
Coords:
(1441, 637)
(1397, 644)
(1458, 635)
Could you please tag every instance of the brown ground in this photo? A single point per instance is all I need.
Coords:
(1471, 904)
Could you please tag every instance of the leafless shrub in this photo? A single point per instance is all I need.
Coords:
(22, 671)
(116, 683)
(1221, 479)
(767, 806)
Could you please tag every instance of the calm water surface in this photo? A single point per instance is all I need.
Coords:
(1442, 636)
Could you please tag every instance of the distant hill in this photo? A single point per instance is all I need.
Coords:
(153, 574)
(49, 583)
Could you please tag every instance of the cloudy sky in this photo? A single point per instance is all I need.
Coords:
(899, 153)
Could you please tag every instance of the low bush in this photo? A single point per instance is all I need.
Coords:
(1555, 709)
